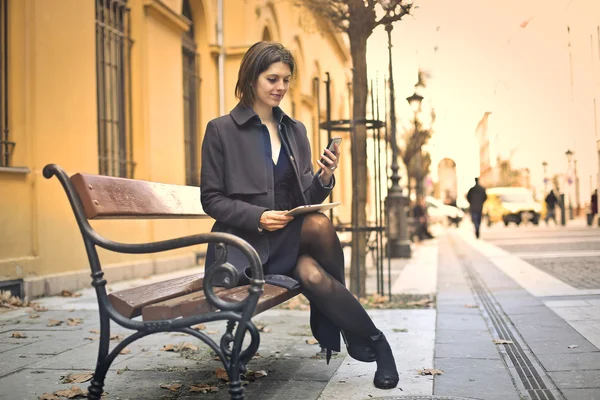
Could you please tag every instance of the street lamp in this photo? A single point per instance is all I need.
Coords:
(415, 101)
(396, 202)
(569, 155)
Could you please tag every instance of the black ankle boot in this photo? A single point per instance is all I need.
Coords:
(358, 348)
(386, 376)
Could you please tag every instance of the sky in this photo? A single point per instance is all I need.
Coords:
(510, 58)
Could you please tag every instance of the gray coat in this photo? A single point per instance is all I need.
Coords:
(237, 176)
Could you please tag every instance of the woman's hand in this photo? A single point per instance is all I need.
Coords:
(274, 220)
(328, 163)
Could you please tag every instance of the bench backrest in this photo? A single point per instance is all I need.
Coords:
(107, 197)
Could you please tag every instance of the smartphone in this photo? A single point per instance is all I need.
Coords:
(332, 143)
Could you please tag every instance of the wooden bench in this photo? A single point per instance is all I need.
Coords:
(173, 305)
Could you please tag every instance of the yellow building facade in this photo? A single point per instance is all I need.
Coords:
(126, 88)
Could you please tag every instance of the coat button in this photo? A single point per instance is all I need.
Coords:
(292, 158)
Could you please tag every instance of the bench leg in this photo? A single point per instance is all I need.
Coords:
(96, 387)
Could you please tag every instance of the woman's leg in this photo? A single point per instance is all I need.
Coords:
(320, 271)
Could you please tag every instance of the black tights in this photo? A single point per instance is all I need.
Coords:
(320, 272)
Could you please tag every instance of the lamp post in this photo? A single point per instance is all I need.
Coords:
(545, 165)
(395, 203)
(569, 155)
(414, 101)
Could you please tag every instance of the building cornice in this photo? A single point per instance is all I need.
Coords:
(159, 8)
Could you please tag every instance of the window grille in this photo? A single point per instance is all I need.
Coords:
(6, 146)
(113, 81)
(191, 85)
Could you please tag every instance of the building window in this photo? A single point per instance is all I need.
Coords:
(6, 146)
(113, 81)
(191, 85)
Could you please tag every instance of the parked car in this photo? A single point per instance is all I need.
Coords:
(443, 213)
(511, 204)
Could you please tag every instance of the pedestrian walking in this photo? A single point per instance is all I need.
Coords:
(551, 201)
(256, 164)
(594, 204)
(421, 220)
(476, 196)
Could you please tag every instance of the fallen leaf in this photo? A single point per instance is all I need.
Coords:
(400, 330)
(95, 331)
(173, 388)
(204, 388)
(260, 373)
(74, 321)
(573, 346)
(471, 306)
(312, 341)
(18, 335)
(66, 293)
(72, 393)
(54, 322)
(266, 330)
(168, 347)
(118, 337)
(77, 378)
(222, 374)
(502, 341)
(430, 371)
(199, 327)
(48, 396)
(257, 355)
(125, 351)
(37, 307)
(90, 338)
(34, 316)
(119, 371)
(212, 332)
(189, 346)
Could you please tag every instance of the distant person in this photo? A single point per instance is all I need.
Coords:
(421, 220)
(594, 203)
(476, 196)
(551, 201)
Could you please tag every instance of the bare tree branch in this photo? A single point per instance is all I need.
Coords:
(399, 11)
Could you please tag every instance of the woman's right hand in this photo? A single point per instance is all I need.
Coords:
(274, 220)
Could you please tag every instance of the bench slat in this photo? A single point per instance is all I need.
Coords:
(108, 197)
(169, 309)
(130, 302)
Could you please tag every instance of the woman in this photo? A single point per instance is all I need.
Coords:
(256, 164)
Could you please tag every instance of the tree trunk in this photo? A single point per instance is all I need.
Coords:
(358, 271)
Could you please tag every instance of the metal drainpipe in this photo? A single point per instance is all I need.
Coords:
(221, 58)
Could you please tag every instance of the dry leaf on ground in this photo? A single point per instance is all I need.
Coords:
(94, 331)
(125, 351)
(73, 393)
(222, 374)
(431, 371)
(199, 327)
(37, 307)
(212, 332)
(573, 346)
(54, 322)
(118, 337)
(49, 396)
(34, 316)
(502, 341)
(204, 388)
(312, 341)
(18, 335)
(173, 387)
(66, 293)
(74, 321)
(77, 378)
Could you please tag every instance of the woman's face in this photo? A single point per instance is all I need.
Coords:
(272, 85)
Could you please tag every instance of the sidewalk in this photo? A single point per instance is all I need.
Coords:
(34, 365)
(495, 335)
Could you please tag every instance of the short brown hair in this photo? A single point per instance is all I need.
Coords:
(257, 59)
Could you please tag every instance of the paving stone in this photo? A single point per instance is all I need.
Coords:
(581, 394)
(570, 362)
(577, 379)
(474, 378)
(460, 322)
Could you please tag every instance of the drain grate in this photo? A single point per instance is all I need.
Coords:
(531, 374)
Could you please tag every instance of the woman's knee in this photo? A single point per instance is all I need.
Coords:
(307, 272)
(316, 224)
